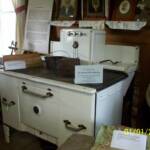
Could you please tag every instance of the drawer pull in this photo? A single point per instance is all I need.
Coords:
(6, 103)
(69, 126)
(25, 90)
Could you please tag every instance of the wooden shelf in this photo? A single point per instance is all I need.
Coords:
(99, 24)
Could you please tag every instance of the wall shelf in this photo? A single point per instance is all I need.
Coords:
(94, 24)
(100, 24)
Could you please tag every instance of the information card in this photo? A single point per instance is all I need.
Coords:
(88, 74)
(128, 141)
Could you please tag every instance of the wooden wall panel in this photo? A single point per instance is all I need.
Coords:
(142, 78)
(141, 37)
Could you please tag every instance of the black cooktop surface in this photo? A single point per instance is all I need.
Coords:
(110, 77)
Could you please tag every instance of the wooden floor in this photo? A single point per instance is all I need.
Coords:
(23, 141)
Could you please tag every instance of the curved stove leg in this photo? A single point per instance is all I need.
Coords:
(6, 133)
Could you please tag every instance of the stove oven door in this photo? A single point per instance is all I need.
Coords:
(39, 107)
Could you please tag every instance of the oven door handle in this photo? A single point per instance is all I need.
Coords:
(47, 95)
(70, 127)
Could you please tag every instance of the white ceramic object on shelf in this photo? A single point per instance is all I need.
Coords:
(126, 25)
(98, 25)
(62, 23)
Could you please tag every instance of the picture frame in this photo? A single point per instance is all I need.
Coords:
(124, 10)
(93, 9)
(67, 9)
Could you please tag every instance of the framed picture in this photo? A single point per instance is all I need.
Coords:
(67, 9)
(124, 10)
(93, 9)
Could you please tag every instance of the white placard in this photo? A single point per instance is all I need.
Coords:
(14, 65)
(86, 74)
(37, 28)
(130, 141)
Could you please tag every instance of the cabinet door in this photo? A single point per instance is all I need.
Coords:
(10, 100)
(77, 110)
(39, 107)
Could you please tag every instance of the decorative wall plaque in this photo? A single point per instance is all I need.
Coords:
(124, 10)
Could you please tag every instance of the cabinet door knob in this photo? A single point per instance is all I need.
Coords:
(36, 110)
(69, 126)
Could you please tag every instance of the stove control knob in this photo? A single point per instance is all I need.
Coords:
(75, 44)
(76, 34)
(36, 110)
(70, 33)
(81, 33)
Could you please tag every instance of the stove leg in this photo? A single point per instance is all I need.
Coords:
(6, 133)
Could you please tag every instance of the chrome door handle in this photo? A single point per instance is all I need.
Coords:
(6, 103)
(69, 126)
(25, 90)
(11, 103)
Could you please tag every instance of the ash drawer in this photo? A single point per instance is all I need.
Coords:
(39, 107)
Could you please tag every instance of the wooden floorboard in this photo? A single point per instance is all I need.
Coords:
(24, 141)
(19, 141)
